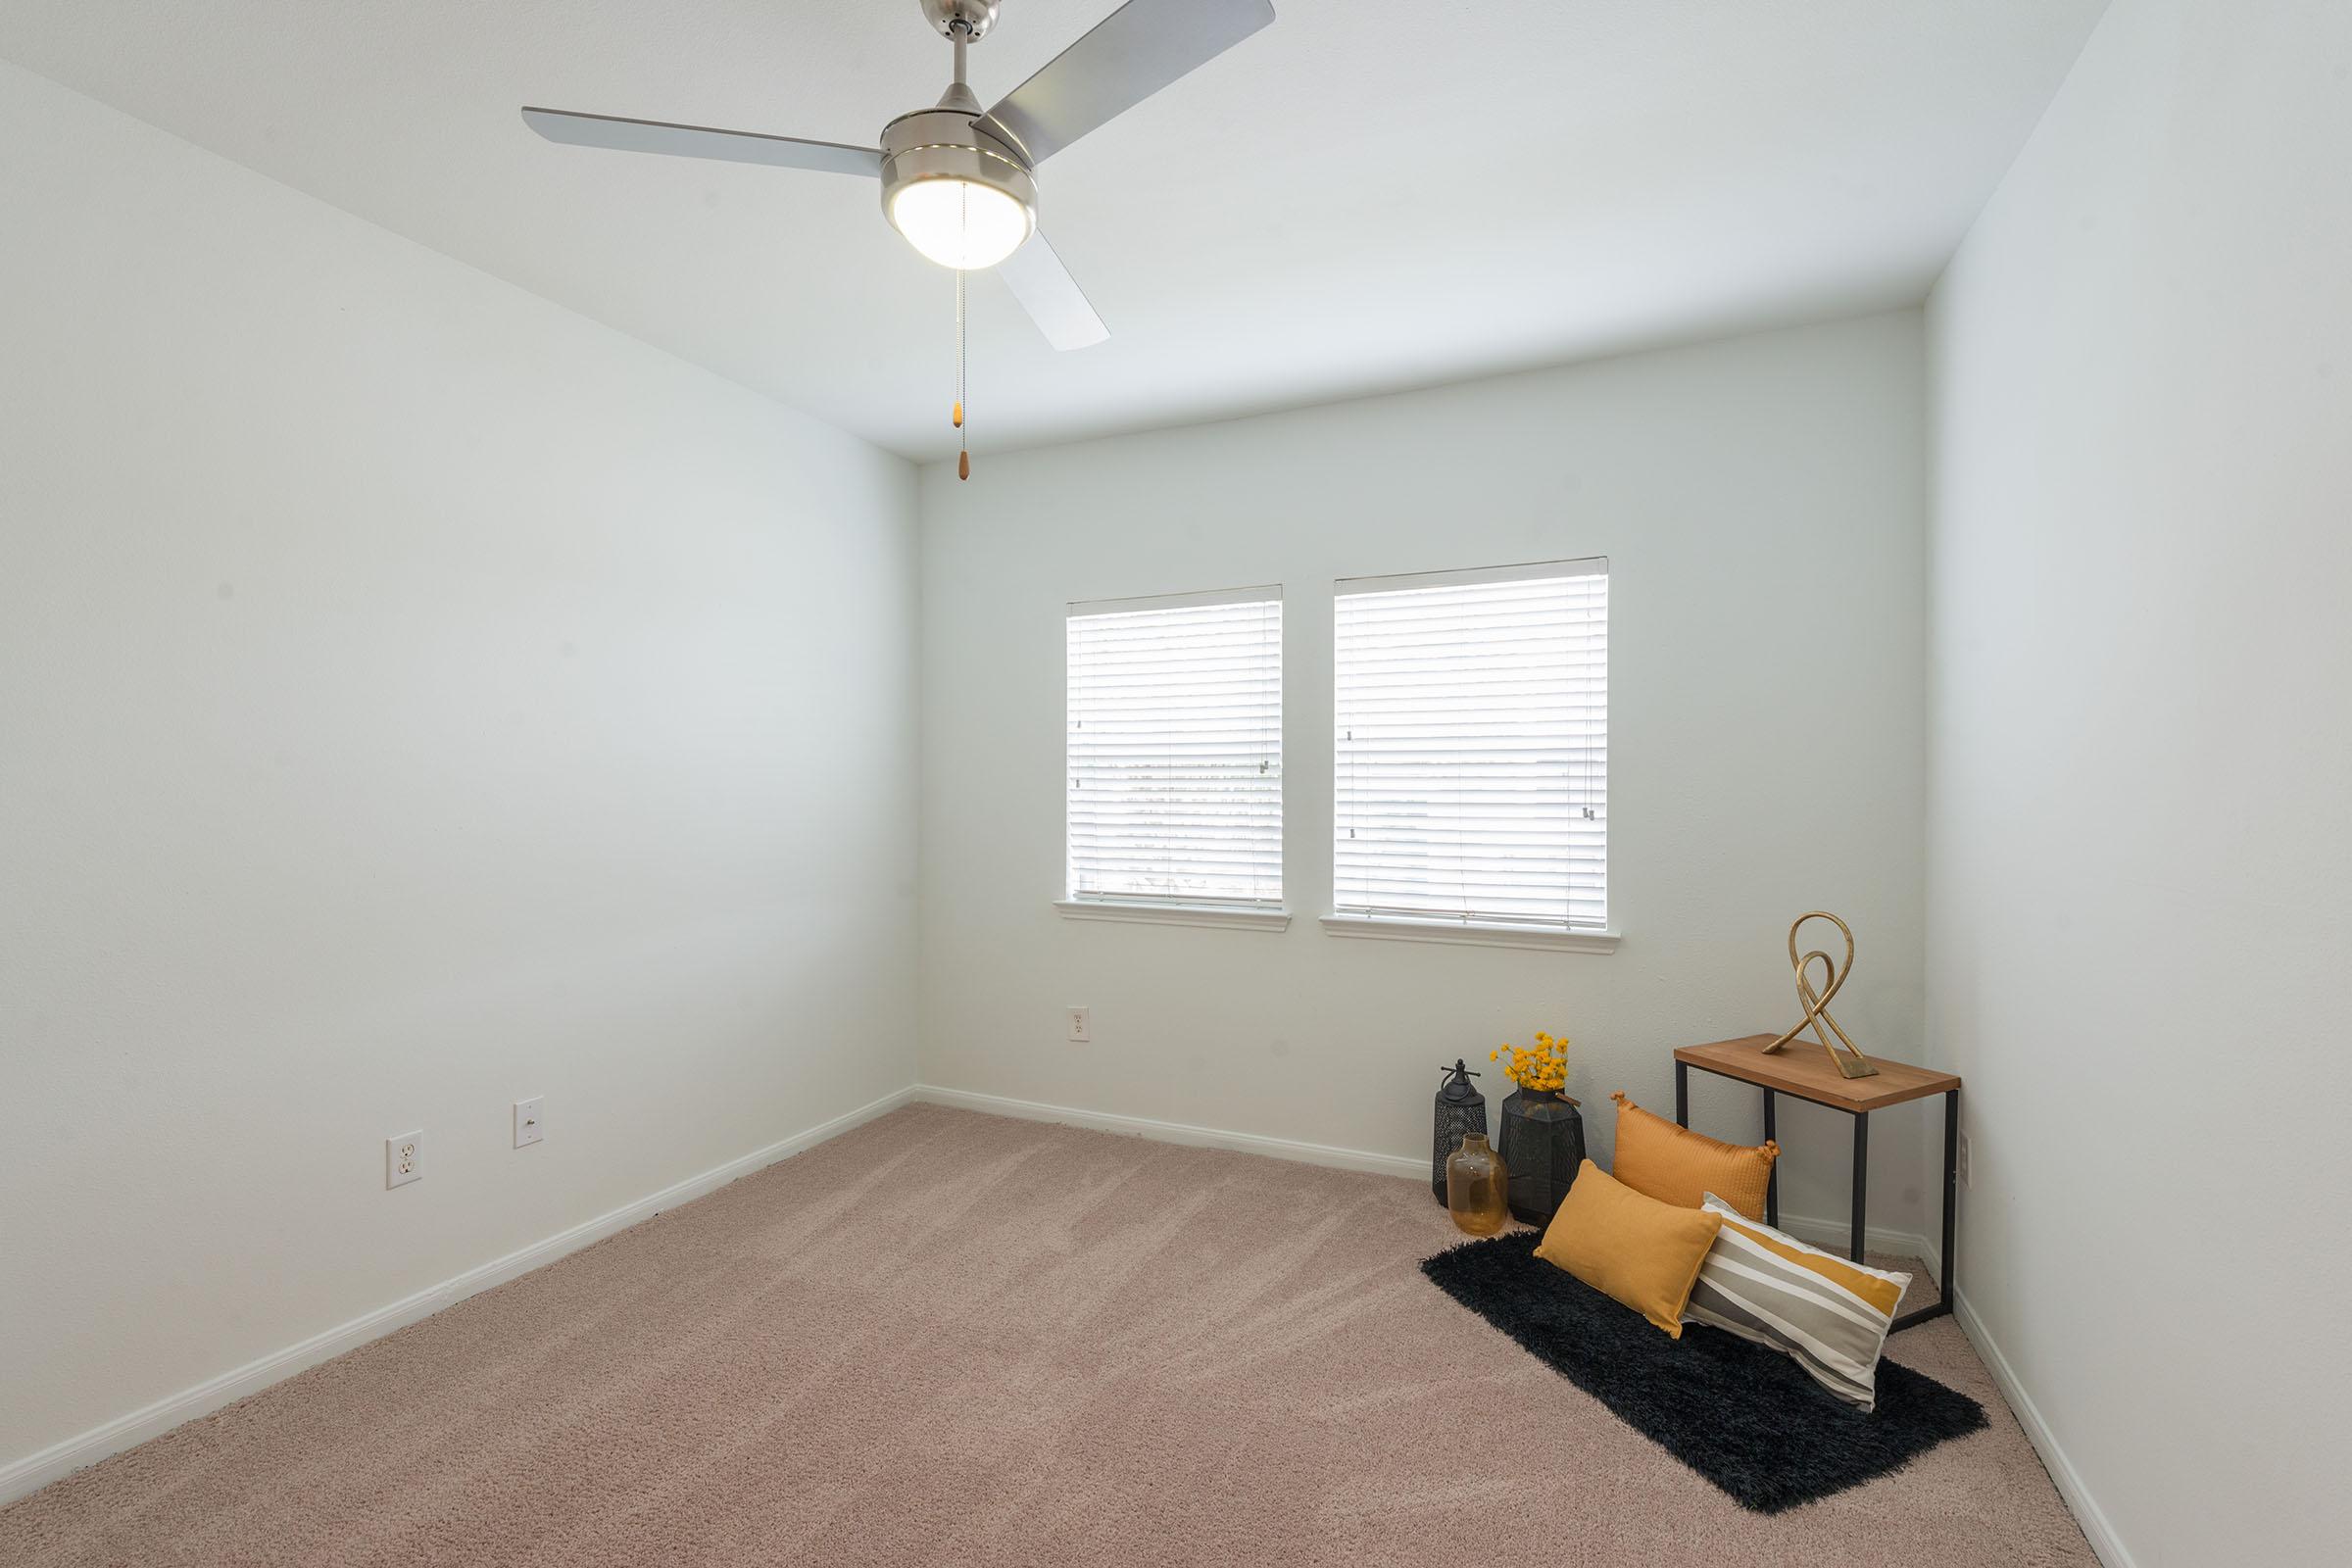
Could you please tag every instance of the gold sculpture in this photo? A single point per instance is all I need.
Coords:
(1851, 1064)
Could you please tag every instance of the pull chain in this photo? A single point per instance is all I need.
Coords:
(964, 456)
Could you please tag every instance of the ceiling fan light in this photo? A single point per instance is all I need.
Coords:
(960, 222)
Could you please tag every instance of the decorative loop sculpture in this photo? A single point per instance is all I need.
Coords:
(1851, 1064)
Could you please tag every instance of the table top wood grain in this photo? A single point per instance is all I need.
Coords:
(1803, 1069)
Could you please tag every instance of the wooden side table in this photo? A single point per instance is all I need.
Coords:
(1804, 1069)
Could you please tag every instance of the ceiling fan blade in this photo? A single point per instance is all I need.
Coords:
(700, 141)
(1131, 54)
(1051, 296)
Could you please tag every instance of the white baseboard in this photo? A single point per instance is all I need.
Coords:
(29, 1474)
(1821, 1232)
(36, 1470)
(1834, 1234)
(1830, 1232)
(1172, 1132)
(2095, 1528)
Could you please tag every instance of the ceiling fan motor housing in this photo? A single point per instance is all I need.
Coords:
(971, 18)
(945, 143)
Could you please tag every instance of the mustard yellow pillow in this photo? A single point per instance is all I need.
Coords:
(1676, 1165)
(1632, 1249)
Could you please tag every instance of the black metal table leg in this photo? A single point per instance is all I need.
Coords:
(1861, 1179)
(1951, 1184)
(1860, 1232)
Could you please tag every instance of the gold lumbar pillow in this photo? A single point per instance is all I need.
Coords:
(1632, 1249)
(1676, 1165)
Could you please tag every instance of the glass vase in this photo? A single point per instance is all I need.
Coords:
(1476, 1185)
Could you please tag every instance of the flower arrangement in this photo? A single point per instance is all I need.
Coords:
(1542, 1068)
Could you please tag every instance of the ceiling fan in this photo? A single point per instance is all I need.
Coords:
(960, 182)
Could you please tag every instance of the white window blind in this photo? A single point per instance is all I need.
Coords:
(1175, 750)
(1473, 753)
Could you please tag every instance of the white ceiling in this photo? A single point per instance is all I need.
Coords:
(1362, 197)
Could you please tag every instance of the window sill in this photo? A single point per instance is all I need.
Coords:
(1208, 914)
(1547, 938)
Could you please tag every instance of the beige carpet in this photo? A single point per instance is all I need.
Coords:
(953, 1338)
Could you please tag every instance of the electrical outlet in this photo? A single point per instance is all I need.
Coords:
(1960, 1160)
(404, 1158)
(1082, 1028)
(531, 1117)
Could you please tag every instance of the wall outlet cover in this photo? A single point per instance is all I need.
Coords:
(531, 1117)
(1082, 1027)
(404, 1158)
(1960, 1162)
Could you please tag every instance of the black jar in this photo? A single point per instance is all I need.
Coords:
(1461, 1110)
(1542, 1145)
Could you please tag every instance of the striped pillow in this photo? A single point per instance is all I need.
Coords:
(1769, 1287)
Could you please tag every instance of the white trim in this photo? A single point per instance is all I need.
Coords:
(1821, 1232)
(1213, 914)
(1835, 1236)
(1525, 571)
(1463, 933)
(29, 1474)
(2087, 1514)
(1171, 1132)
(1267, 593)
(36, 1470)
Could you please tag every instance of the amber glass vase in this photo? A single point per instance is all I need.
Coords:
(1477, 1187)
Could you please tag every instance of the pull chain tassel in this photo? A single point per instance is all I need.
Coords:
(964, 456)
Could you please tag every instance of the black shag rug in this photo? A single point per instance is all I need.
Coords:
(1748, 1418)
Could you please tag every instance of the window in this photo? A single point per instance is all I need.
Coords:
(1175, 752)
(1472, 769)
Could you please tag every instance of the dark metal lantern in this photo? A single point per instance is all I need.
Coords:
(1461, 1108)
(1543, 1144)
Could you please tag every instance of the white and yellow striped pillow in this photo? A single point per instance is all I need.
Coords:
(1767, 1285)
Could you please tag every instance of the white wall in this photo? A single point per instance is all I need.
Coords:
(1762, 505)
(411, 697)
(2143, 677)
